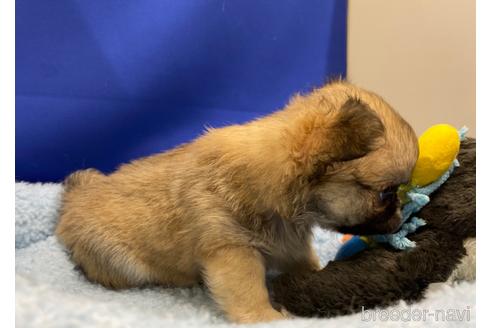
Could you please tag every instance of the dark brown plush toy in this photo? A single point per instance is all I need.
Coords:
(381, 276)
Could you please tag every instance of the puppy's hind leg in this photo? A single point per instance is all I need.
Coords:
(82, 177)
(236, 279)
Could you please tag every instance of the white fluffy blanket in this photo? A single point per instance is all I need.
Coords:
(50, 293)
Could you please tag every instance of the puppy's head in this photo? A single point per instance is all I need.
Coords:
(368, 151)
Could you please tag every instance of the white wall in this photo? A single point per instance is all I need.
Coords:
(419, 55)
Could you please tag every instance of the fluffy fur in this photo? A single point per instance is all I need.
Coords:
(382, 276)
(241, 199)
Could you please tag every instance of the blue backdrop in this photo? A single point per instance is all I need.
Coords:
(101, 82)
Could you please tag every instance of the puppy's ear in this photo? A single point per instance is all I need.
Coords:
(349, 133)
(356, 131)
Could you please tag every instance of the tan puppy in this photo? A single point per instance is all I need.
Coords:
(242, 199)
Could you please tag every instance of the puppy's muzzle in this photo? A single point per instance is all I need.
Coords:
(389, 221)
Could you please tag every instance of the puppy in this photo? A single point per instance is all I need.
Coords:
(242, 199)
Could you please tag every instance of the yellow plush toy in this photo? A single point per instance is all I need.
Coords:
(438, 147)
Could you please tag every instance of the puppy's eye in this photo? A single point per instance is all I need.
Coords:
(388, 194)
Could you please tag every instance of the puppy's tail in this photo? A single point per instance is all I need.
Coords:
(82, 177)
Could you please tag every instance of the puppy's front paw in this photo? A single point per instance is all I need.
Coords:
(286, 314)
(312, 262)
(263, 315)
(315, 266)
